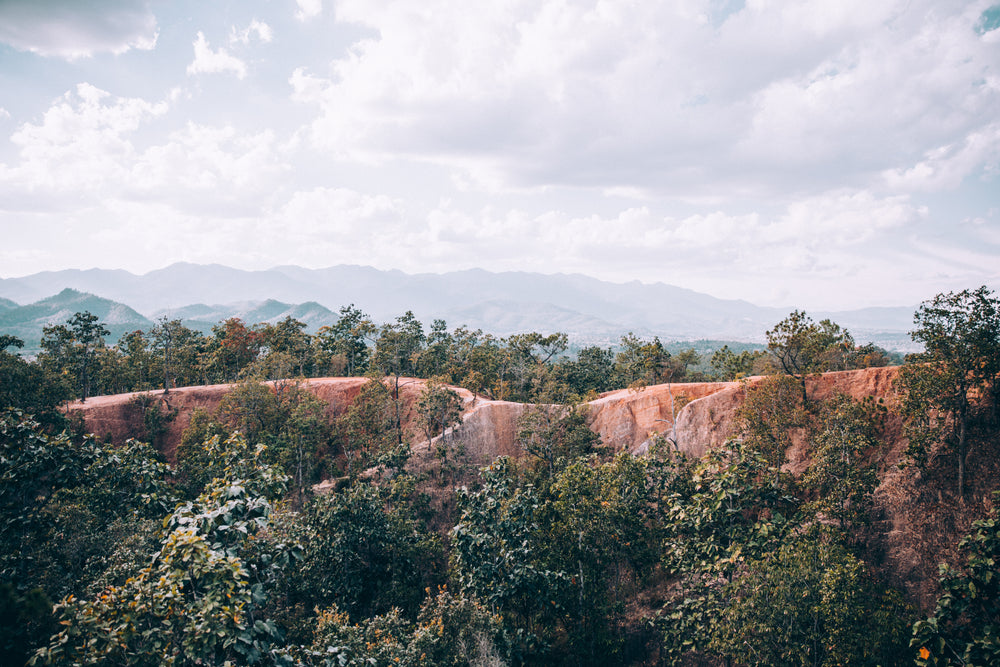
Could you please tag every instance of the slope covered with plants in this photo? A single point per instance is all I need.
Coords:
(784, 544)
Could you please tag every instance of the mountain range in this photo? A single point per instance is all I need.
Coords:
(589, 310)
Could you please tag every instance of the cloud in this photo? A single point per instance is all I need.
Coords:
(945, 167)
(258, 29)
(71, 29)
(82, 142)
(308, 9)
(665, 98)
(207, 61)
(91, 145)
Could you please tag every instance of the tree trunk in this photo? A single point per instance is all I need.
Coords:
(962, 445)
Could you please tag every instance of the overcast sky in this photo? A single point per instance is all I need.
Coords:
(808, 153)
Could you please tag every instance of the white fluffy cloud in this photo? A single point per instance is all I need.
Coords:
(662, 96)
(308, 9)
(88, 144)
(207, 61)
(72, 29)
(256, 30)
(82, 141)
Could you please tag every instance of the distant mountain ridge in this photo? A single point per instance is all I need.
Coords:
(27, 322)
(501, 303)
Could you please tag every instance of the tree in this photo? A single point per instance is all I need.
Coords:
(438, 409)
(27, 386)
(347, 339)
(591, 371)
(555, 434)
(474, 361)
(237, 346)
(451, 631)
(499, 558)
(770, 410)
(396, 352)
(288, 337)
(523, 371)
(641, 363)
(965, 626)
(839, 472)
(811, 602)
(179, 348)
(67, 506)
(730, 366)
(138, 362)
(73, 347)
(433, 359)
(720, 512)
(202, 599)
(799, 346)
(362, 554)
(367, 433)
(957, 370)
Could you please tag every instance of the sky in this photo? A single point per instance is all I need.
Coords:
(813, 154)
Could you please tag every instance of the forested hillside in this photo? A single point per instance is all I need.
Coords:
(516, 504)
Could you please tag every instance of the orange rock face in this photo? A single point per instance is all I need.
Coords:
(624, 419)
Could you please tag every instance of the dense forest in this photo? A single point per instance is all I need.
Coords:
(569, 554)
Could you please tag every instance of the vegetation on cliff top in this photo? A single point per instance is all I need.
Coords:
(568, 555)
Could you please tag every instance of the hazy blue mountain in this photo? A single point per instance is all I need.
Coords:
(251, 312)
(500, 303)
(7, 304)
(27, 322)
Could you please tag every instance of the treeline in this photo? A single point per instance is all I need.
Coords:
(530, 367)
(567, 555)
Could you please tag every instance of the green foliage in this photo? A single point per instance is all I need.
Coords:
(770, 410)
(760, 587)
(555, 434)
(363, 555)
(800, 346)
(289, 420)
(498, 556)
(367, 432)
(641, 363)
(29, 387)
(810, 602)
(25, 620)
(287, 339)
(438, 408)
(63, 506)
(346, 340)
(731, 366)
(72, 349)
(451, 631)
(149, 416)
(729, 510)
(558, 561)
(839, 472)
(965, 626)
(199, 599)
(956, 372)
(591, 371)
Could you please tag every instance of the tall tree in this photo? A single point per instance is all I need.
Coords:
(288, 337)
(799, 346)
(74, 345)
(641, 362)
(347, 339)
(438, 409)
(960, 363)
(181, 350)
(237, 347)
(396, 352)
